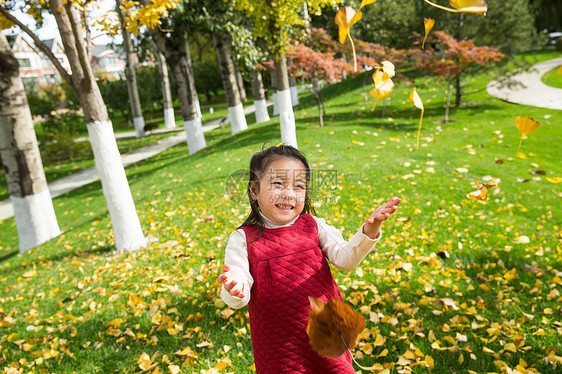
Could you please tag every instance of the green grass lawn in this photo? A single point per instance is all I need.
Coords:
(73, 305)
(553, 78)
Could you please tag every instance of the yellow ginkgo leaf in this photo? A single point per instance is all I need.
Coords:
(366, 2)
(416, 100)
(464, 6)
(470, 6)
(559, 71)
(526, 125)
(554, 180)
(428, 23)
(345, 18)
(482, 193)
(383, 87)
(387, 70)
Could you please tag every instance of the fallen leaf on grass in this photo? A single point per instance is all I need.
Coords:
(447, 302)
(554, 180)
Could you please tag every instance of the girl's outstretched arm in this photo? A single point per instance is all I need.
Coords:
(373, 224)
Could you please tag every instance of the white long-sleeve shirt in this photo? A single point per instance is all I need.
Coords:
(342, 254)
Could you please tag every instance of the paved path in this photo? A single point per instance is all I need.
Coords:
(534, 92)
(71, 182)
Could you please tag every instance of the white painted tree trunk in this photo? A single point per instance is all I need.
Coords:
(195, 135)
(139, 126)
(237, 118)
(126, 224)
(33, 207)
(35, 217)
(262, 115)
(294, 91)
(287, 118)
(169, 118)
(276, 103)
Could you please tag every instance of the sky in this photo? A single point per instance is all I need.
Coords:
(50, 29)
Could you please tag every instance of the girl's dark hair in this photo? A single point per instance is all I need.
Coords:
(258, 166)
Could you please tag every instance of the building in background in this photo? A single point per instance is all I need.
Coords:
(36, 70)
(108, 63)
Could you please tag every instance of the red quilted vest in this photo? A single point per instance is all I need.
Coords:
(288, 265)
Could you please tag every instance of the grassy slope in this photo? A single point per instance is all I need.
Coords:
(73, 287)
(553, 78)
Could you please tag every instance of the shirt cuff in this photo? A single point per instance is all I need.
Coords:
(233, 301)
(365, 241)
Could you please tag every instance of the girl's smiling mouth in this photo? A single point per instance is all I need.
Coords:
(285, 206)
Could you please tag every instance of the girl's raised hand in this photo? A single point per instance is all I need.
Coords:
(374, 222)
(231, 281)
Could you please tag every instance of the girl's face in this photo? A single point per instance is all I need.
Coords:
(282, 190)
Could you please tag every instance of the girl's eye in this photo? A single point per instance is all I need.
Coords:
(277, 183)
(300, 187)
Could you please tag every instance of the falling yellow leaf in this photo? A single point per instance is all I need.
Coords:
(464, 6)
(416, 100)
(428, 24)
(345, 18)
(366, 2)
(388, 70)
(383, 87)
(526, 125)
(554, 180)
(559, 71)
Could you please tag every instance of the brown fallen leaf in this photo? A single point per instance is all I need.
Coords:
(532, 269)
(537, 171)
(445, 301)
(443, 254)
(522, 180)
(333, 327)
(482, 279)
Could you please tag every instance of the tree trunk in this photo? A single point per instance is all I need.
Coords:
(131, 75)
(274, 90)
(458, 91)
(448, 103)
(294, 91)
(33, 207)
(228, 74)
(316, 93)
(179, 59)
(194, 93)
(260, 103)
(169, 117)
(286, 114)
(240, 84)
(126, 224)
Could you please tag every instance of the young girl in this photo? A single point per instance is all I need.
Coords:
(277, 259)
